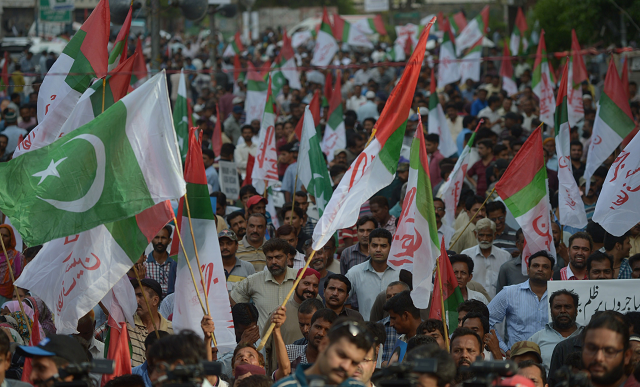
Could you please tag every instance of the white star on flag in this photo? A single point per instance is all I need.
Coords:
(50, 171)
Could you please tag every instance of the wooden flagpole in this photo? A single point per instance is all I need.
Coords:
(15, 288)
(146, 301)
(444, 311)
(472, 218)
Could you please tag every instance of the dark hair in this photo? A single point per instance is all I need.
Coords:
(209, 153)
(634, 319)
(473, 306)
(286, 229)
(574, 360)
(234, 215)
(595, 231)
(5, 344)
(302, 194)
(126, 381)
(186, 346)
(446, 370)
(380, 233)
(599, 256)
(576, 143)
(248, 189)
(257, 215)
(605, 320)
(364, 219)
(151, 339)
(287, 207)
(227, 149)
(326, 314)
(464, 259)
(438, 200)
(483, 320)
(493, 99)
(564, 292)
(5, 136)
(343, 330)
(610, 241)
(581, 235)
(255, 381)
(497, 149)
(419, 340)
(471, 200)
(338, 277)
(460, 332)
(275, 244)
(531, 363)
(633, 259)
(373, 120)
(246, 345)
(310, 305)
(433, 138)
(220, 198)
(31, 252)
(519, 233)
(244, 313)
(169, 229)
(430, 325)
(381, 201)
(542, 253)
(495, 206)
(401, 303)
(487, 143)
(247, 126)
(378, 332)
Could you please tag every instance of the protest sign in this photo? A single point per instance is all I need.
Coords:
(229, 183)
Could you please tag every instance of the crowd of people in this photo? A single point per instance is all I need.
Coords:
(352, 312)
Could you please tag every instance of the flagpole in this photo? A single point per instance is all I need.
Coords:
(15, 288)
(286, 299)
(146, 301)
(195, 248)
(444, 312)
(104, 86)
(293, 198)
(472, 218)
(195, 284)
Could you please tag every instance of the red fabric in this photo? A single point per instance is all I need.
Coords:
(94, 45)
(216, 139)
(485, 18)
(524, 166)
(314, 107)
(151, 220)
(614, 89)
(238, 41)
(328, 83)
(379, 24)
(336, 96)
(460, 20)
(579, 68)
(236, 67)
(521, 21)
(123, 34)
(118, 351)
(506, 69)
(139, 67)
(337, 28)
(449, 283)
(250, 161)
(120, 78)
(287, 50)
(34, 340)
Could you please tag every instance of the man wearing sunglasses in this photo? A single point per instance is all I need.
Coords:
(339, 356)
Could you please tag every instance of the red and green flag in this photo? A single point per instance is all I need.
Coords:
(473, 31)
(577, 75)
(235, 47)
(506, 72)
(139, 67)
(119, 51)
(446, 292)
(326, 45)
(334, 132)
(542, 83)
(517, 35)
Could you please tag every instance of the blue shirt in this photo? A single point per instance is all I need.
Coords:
(478, 105)
(525, 314)
(392, 338)
(299, 379)
(142, 371)
(460, 139)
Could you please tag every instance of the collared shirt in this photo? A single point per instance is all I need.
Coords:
(525, 313)
(164, 274)
(348, 312)
(392, 338)
(240, 271)
(350, 257)
(510, 273)
(299, 379)
(241, 156)
(289, 180)
(298, 261)
(212, 178)
(625, 269)
(250, 254)
(547, 338)
(506, 240)
(297, 354)
(265, 292)
(138, 333)
(567, 274)
(486, 270)
(390, 225)
(142, 371)
(366, 283)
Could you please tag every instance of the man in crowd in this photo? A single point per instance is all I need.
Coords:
(294, 216)
(511, 271)
(466, 237)
(307, 289)
(380, 211)
(404, 316)
(444, 230)
(618, 248)
(235, 269)
(288, 233)
(434, 328)
(359, 252)
(319, 263)
(367, 366)
(479, 169)
(49, 358)
(208, 158)
(479, 323)
(606, 351)
(336, 291)
(251, 246)
(237, 223)
(158, 265)
(466, 346)
(599, 266)
(580, 247)
(392, 289)
(505, 235)
(463, 270)
(534, 372)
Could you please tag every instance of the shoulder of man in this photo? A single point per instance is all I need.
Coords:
(16, 383)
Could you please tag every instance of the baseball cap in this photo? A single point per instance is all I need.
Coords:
(62, 346)
(370, 94)
(11, 116)
(522, 347)
(255, 199)
(226, 233)
(148, 283)
(338, 151)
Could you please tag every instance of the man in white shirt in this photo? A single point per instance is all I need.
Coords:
(486, 257)
(369, 109)
(526, 105)
(490, 113)
(357, 99)
(453, 120)
(243, 150)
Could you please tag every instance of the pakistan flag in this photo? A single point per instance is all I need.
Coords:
(114, 167)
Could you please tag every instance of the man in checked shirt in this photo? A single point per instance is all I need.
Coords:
(158, 264)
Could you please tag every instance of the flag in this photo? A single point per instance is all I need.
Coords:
(470, 64)
(570, 207)
(577, 74)
(624, 77)
(235, 47)
(125, 163)
(5, 71)
(453, 186)
(438, 123)
(216, 138)
(89, 106)
(84, 58)
(415, 244)
(448, 67)
(448, 293)
(187, 312)
(119, 51)
(542, 83)
(376, 165)
(326, 46)
(614, 121)
(457, 21)
(517, 34)
(312, 168)
(328, 82)
(256, 94)
(524, 189)
(265, 170)
(314, 106)
(396, 54)
(139, 67)
(334, 131)
(181, 116)
(506, 72)
(286, 68)
(473, 31)
(352, 34)
(407, 37)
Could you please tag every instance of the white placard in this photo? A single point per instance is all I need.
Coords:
(620, 295)
(228, 176)
(376, 5)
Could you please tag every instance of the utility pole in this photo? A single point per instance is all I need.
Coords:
(213, 43)
(155, 35)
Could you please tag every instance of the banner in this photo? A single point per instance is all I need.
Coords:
(228, 177)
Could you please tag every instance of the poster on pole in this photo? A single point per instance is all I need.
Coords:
(229, 182)
(619, 295)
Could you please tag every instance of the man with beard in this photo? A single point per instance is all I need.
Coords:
(564, 311)
(267, 287)
(444, 230)
(235, 269)
(487, 257)
(589, 198)
(580, 247)
(575, 153)
(606, 351)
(237, 223)
(319, 263)
(599, 266)
(158, 265)
(251, 246)
(336, 291)
(523, 306)
(466, 346)
(562, 253)
(618, 248)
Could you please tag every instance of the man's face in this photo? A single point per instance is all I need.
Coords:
(475, 325)
(603, 356)
(255, 124)
(440, 209)
(318, 332)
(485, 237)
(207, 161)
(635, 353)
(379, 249)
(319, 261)
(600, 270)
(498, 217)
(464, 350)
(431, 146)
(555, 232)
(339, 361)
(563, 312)
(579, 250)
(228, 248)
(635, 269)
(368, 126)
(277, 263)
(256, 228)
(153, 298)
(335, 294)
(291, 239)
(290, 217)
(540, 269)
(340, 158)
(247, 135)
(302, 202)
(623, 250)
(363, 233)
(366, 367)
(532, 373)
(161, 241)
(380, 213)
(401, 322)
(576, 152)
(221, 207)
(436, 334)
(461, 271)
(246, 355)
(482, 95)
(42, 368)
(483, 151)
(307, 287)
(3, 143)
(393, 290)
(285, 157)
(259, 208)
(239, 226)
(477, 207)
